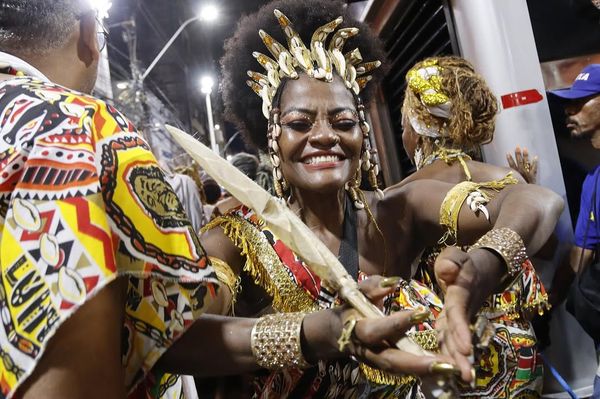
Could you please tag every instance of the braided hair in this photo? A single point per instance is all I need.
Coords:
(474, 106)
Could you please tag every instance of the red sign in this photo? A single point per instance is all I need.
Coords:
(521, 98)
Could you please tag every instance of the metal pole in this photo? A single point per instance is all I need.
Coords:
(211, 126)
(167, 45)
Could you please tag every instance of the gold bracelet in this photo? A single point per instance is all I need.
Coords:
(275, 341)
(506, 243)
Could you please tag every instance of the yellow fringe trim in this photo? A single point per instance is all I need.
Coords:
(455, 198)
(382, 378)
(264, 265)
(515, 309)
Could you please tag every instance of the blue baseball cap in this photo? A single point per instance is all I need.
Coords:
(586, 84)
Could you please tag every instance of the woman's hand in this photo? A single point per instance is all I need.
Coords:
(522, 164)
(467, 288)
(372, 339)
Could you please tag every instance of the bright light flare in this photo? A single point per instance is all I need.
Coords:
(101, 7)
(206, 84)
(209, 13)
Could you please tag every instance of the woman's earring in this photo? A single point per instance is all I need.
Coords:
(353, 188)
(369, 158)
(419, 157)
(279, 182)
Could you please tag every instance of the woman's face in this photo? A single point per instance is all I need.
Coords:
(410, 139)
(321, 140)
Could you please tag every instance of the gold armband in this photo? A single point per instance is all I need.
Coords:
(506, 243)
(276, 340)
(226, 276)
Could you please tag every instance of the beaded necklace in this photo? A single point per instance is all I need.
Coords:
(8, 70)
(15, 66)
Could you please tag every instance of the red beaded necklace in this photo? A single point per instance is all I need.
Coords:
(8, 70)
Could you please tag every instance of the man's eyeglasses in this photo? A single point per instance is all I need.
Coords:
(101, 31)
(101, 35)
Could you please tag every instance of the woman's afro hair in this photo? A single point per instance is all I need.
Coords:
(242, 105)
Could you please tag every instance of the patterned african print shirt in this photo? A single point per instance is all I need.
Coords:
(82, 200)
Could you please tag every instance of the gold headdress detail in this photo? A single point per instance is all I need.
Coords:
(317, 61)
(426, 83)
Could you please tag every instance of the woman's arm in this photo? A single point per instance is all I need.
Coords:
(529, 210)
(218, 345)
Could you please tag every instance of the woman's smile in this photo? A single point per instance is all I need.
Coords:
(323, 160)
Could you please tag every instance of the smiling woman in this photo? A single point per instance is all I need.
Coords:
(313, 125)
(317, 137)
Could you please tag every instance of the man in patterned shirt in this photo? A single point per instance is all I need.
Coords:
(82, 202)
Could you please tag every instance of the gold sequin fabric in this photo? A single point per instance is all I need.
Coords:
(455, 198)
(294, 289)
(263, 263)
(426, 83)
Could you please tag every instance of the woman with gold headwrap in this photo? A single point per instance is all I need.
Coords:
(448, 112)
(314, 127)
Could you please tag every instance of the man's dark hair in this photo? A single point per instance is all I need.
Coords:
(243, 106)
(34, 27)
(211, 188)
(247, 163)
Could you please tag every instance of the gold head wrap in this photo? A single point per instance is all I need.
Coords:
(426, 83)
(318, 61)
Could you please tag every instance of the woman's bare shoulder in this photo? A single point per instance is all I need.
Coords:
(486, 172)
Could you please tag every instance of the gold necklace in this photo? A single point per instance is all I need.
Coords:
(448, 155)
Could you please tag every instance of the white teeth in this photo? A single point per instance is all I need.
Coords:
(322, 159)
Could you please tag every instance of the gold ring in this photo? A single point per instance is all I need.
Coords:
(346, 335)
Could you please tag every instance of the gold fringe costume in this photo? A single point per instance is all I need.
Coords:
(293, 288)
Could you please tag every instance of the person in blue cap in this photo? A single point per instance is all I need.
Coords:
(582, 105)
(582, 109)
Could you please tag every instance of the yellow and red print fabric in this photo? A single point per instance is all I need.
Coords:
(82, 200)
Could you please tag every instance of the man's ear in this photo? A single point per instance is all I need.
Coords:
(87, 46)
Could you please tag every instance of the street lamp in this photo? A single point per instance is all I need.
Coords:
(101, 7)
(206, 85)
(208, 13)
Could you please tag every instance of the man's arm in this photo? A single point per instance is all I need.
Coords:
(581, 254)
(571, 265)
(83, 359)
